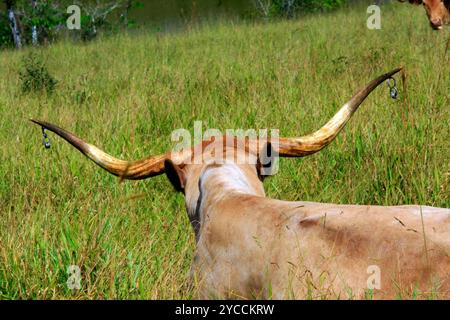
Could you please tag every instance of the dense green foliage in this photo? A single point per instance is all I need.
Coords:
(5, 32)
(49, 17)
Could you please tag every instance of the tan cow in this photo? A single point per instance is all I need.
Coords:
(249, 245)
(438, 11)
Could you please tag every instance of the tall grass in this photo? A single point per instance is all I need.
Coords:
(127, 93)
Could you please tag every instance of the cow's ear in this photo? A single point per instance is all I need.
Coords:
(176, 175)
(267, 163)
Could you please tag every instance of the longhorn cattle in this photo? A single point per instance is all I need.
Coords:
(251, 246)
(438, 11)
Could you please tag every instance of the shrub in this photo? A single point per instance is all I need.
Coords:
(35, 76)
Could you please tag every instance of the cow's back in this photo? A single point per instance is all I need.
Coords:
(268, 248)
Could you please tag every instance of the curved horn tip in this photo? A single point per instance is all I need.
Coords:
(36, 121)
(395, 70)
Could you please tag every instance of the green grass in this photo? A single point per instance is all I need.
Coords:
(127, 93)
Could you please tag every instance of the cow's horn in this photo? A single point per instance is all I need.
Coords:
(133, 170)
(309, 144)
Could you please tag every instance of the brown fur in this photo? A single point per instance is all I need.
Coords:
(249, 245)
(438, 11)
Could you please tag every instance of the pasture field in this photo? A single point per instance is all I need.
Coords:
(127, 93)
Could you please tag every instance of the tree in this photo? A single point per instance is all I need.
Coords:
(42, 21)
(13, 23)
(34, 34)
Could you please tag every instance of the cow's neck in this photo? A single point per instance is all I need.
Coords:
(219, 183)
